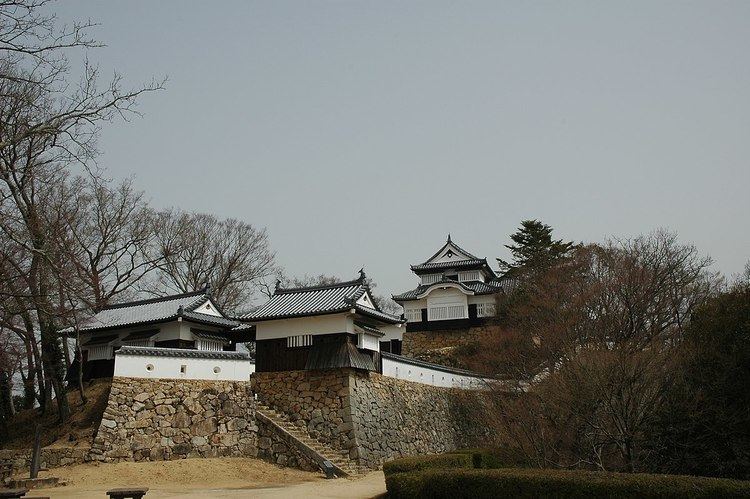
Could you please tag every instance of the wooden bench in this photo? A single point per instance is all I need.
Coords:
(12, 493)
(127, 493)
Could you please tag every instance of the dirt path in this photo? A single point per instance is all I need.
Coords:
(220, 478)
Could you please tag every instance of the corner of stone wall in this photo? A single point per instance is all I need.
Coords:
(393, 418)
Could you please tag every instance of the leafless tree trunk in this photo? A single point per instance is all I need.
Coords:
(47, 125)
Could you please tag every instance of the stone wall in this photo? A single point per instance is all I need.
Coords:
(50, 457)
(280, 449)
(152, 419)
(367, 416)
(375, 417)
(395, 418)
(436, 346)
(317, 400)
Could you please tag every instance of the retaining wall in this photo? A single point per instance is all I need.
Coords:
(371, 417)
(317, 399)
(50, 457)
(164, 419)
(426, 345)
(375, 417)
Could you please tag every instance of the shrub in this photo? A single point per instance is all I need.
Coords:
(541, 483)
(464, 458)
(419, 463)
(505, 457)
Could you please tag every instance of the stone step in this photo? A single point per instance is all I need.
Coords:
(338, 458)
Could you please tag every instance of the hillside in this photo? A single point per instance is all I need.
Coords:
(77, 431)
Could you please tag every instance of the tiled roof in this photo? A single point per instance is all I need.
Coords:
(475, 287)
(182, 352)
(211, 320)
(153, 311)
(368, 328)
(208, 336)
(141, 335)
(317, 300)
(451, 243)
(100, 340)
(377, 314)
(458, 264)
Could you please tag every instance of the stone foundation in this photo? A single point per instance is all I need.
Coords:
(152, 419)
(375, 417)
(367, 416)
(436, 346)
(50, 457)
(394, 418)
(317, 400)
(279, 449)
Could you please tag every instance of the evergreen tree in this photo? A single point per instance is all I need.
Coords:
(534, 249)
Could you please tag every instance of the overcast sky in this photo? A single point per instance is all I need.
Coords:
(362, 133)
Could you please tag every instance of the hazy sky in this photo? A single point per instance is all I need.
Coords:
(362, 133)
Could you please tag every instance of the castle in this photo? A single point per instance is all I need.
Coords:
(187, 336)
(335, 382)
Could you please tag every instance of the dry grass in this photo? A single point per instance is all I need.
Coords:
(77, 431)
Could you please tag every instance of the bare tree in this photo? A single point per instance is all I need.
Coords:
(603, 328)
(110, 240)
(47, 124)
(10, 355)
(231, 256)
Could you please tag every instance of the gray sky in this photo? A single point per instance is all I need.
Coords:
(362, 133)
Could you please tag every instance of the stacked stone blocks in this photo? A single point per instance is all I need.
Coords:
(151, 419)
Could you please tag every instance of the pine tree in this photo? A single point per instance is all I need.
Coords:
(534, 249)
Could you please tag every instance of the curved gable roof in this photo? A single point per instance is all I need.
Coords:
(318, 300)
(154, 310)
(455, 248)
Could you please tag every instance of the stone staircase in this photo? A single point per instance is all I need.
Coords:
(313, 449)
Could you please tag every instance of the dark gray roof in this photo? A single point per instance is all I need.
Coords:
(154, 311)
(100, 340)
(474, 287)
(211, 320)
(338, 354)
(318, 300)
(181, 352)
(467, 262)
(458, 264)
(208, 336)
(141, 335)
(450, 242)
(368, 328)
(377, 314)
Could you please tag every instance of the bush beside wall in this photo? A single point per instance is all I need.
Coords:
(538, 483)
(453, 476)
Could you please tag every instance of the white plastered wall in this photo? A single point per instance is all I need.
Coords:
(322, 324)
(428, 375)
(392, 332)
(208, 308)
(137, 366)
(175, 330)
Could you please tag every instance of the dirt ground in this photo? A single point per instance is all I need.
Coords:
(220, 478)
